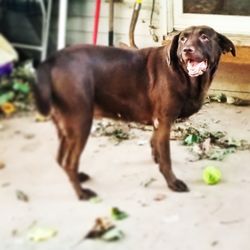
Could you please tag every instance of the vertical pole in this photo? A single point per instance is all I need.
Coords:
(111, 23)
(62, 22)
(96, 20)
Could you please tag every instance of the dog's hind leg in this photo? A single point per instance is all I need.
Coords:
(62, 145)
(73, 134)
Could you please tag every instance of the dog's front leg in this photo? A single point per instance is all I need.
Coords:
(163, 149)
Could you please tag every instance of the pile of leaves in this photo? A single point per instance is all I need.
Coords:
(116, 131)
(206, 144)
(105, 229)
(222, 98)
(15, 92)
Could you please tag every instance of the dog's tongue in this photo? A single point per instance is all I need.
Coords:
(196, 68)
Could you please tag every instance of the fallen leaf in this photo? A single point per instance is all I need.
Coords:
(219, 154)
(148, 182)
(22, 196)
(2, 165)
(101, 226)
(191, 139)
(117, 214)
(5, 184)
(38, 234)
(8, 108)
(117, 131)
(113, 234)
(28, 136)
(214, 243)
(41, 118)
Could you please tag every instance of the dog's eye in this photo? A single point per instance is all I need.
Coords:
(183, 39)
(204, 38)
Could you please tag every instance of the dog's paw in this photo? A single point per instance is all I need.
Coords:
(178, 186)
(87, 194)
(82, 177)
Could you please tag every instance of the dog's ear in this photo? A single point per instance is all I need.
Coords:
(226, 45)
(172, 50)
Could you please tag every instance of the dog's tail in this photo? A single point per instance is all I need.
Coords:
(41, 85)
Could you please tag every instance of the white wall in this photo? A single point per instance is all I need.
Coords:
(81, 21)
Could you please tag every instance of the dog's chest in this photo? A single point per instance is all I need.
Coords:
(190, 107)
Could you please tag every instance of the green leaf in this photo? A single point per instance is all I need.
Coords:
(219, 154)
(113, 234)
(21, 87)
(6, 97)
(117, 214)
(38, 234)
(191, 139)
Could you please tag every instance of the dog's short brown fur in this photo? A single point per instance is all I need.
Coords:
(146, 85)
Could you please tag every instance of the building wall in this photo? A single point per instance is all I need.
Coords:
(81, 21)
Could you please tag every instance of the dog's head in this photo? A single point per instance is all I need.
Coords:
(198, 49)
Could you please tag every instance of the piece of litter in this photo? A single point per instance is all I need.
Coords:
(148, 182)
(28, 136)
(2, 165)
(113, 234)
(117, 214)
(38, 234)
(22, 196)
(41, 118)
(5, 184)
(14, 232)
(101, 226)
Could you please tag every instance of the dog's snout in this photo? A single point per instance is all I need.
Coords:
(188, 49)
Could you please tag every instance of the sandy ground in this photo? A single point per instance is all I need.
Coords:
(208, 217)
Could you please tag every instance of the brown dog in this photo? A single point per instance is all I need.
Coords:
(150, 86)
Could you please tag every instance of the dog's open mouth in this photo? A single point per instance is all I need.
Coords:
(196, 68)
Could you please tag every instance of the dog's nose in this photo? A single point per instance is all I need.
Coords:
(188, 49)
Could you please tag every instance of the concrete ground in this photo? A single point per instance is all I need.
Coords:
(208, 217)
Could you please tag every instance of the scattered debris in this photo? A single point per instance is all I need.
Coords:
(214, 243)
(14, 232)
(147, 183)
(118, 214)
(28, 136)
(101, 226)
(5, 184)
(228, 222)
(206, 144)
(41, 118)
(134, 125)
(117, 131)
(15, 92)
(22, 196)
(38, 234)
(113, 234)
(2, 165)
(222, 98)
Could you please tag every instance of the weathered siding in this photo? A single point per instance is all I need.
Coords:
(81, 21)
